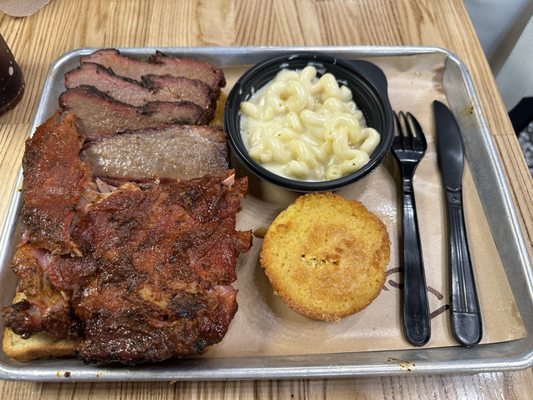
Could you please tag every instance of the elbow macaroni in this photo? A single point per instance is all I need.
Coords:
(308, 128)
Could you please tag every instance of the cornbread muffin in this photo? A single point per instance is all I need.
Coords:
(325, 256)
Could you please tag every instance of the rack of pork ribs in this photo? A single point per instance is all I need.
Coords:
(128, 242)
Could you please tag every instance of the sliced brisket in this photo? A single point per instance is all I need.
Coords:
(184, 89)
(99, 115)
(152, 88)
(175, 152)
(159, 64)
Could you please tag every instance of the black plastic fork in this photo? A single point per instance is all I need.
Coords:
(408, 147)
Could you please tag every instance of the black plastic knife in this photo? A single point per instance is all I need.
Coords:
(464, 305)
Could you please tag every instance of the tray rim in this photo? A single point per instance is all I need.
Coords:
(314, 365)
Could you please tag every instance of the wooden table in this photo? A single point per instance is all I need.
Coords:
(64, 25)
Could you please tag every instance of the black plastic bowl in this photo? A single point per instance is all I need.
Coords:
(369, 90)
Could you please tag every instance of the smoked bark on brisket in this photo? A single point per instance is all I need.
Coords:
(99, 115)
(151, 88)
(160, 64)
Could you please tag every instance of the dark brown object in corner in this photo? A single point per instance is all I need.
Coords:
(11, 80)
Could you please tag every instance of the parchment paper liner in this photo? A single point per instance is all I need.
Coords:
(264, 325)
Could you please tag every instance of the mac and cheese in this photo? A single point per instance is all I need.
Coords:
(307, 128)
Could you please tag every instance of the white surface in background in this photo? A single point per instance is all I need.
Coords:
(515, 78)
(493, 19)
(505, 30)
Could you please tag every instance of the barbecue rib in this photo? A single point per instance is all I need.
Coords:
(99, 115)
(156, 278)
(166, 259)
(173, 152)
(152, 88)
(160, 64)
(44, 307)
(54, 178)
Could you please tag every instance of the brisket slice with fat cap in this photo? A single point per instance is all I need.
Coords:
(175, 152)
(159, 64)
(99, 115)
(152, 87)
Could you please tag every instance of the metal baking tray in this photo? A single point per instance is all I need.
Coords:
(493, 191)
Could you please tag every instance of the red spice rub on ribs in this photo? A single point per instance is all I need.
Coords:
(44, 307)
(167, 257)
(99, 115)
(132, 330)
(155, 280)
(54, 178)
(159, 64)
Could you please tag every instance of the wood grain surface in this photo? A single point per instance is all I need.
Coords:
(64, 25)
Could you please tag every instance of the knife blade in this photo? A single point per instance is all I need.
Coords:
(464, 304)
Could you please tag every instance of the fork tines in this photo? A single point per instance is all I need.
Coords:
(407, 124)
